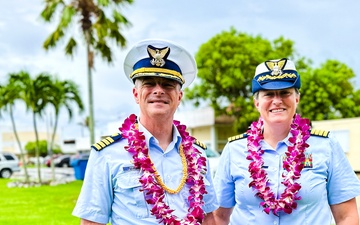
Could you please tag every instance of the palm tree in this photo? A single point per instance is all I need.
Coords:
(97, 30)
(8, 95)
(66, 94)
(36, 93)
(84, 123)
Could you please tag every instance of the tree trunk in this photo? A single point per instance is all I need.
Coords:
(51, 144)
(90, 59)
(37, 155)
(22, 156)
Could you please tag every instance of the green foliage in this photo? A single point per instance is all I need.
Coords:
(9, 93)
(226, 66)
(328, 93)
(70, 46)
(38, 93)
(92, 18)
(30, 147)
(67, 95)
(34, 92)
(68, 12)
(98, 29)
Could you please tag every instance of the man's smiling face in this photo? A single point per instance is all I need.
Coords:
(157, 95)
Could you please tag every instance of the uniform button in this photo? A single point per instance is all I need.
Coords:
(275, 222)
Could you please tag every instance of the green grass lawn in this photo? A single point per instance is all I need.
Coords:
(45, 205)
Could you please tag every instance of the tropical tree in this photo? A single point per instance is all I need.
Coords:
(66, 95)
(36, 95)
(226, 67)
(98, 28)
(84, 123)
(327, 92)
(9, 94)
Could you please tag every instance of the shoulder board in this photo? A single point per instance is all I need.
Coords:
(107, 141)
(237, 137)
(200, 144)
(320, 133)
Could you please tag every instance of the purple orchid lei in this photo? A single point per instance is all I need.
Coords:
(293, 164)
(154, 192)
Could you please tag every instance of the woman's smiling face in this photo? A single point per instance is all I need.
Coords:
(276, 106)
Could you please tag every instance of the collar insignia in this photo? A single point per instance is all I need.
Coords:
(158, 55)
(276, 67)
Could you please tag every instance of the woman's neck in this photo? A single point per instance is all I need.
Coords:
(275, 133)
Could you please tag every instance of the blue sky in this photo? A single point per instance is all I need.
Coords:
(320, 29)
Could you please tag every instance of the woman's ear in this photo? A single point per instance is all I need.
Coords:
(256, 104)
(297, 100)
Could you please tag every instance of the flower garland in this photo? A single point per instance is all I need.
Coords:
(293, 164)
(154, 190)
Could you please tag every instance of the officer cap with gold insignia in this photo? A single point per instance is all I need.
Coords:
(275, 75)
(160, 58)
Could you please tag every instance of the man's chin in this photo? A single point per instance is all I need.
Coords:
(159, 111)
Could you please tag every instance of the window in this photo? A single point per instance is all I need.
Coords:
(8, 157)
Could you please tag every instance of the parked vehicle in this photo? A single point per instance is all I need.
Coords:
(213, 157)
(80, 155)
(9, 163)
(62, 161)
(47, 159)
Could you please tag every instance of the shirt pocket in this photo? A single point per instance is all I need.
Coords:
(128, 191)
(313, 185)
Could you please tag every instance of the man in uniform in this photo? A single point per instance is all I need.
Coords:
(153, 172)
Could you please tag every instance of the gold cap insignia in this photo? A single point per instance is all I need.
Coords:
(276, 67)
(158, 55)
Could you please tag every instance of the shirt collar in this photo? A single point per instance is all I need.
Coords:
(286, 141)
(151, 140)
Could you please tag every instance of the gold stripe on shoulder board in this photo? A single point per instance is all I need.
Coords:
(106, 141)
(237, 137)
(320, 133)
(200, 144)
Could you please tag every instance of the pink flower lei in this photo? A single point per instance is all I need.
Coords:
(293, 164)
(154, 192)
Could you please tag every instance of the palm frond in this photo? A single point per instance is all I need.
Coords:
(70, 46)
(49, 10)
(103, 2)
(120, 19)
(117, 2)
(67, 16)
(102, 48)
(53, 39)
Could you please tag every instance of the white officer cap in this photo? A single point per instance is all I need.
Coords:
(160, 58)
